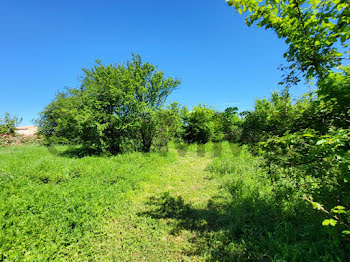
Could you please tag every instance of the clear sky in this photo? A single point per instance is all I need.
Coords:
(221, 61)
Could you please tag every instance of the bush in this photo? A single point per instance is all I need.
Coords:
(265, 222)
(199, 126)
(8, 124)
(169, 124)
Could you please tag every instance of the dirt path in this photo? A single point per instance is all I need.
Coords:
(160, 223)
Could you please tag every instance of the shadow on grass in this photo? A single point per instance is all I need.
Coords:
(78, 151)
(252, 230)
(75, 151)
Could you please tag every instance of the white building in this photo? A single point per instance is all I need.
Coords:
(26, 130)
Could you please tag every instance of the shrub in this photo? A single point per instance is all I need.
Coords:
(8, 124)
(199, 126)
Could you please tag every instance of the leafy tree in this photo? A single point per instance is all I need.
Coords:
(113, 110)
(218, 122)
(270, 117)
(227, 125)
(169, 123)
(232, 124)
(8, 124)
(313, 30)
(58, 122)
(151, 92)
(334, 92)
(199, 126)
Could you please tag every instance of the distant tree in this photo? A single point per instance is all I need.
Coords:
(218, 123)
(199, 125)
(270, 117)
(227, 125)
(151, 93)
(8, 124)
(169, 123)
(232, 124)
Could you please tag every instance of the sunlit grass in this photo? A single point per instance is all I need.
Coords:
(52, 205)
(193, 203)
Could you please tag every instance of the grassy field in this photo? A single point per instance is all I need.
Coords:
(210, 205)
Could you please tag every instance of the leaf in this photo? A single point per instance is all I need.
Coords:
(338, 210)
(329, 222)
(321, 142)
(308, 135)
(316, 205)
(343, 38)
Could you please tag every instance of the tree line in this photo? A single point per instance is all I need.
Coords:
(121, 108)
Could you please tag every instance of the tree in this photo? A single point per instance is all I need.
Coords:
(169, 123)
(227, 125)
(313, 30)
(199, 126)
(232, 124)
(151, 93)
(272, 116)
(113, 110)
(58, 122)
(8, 124)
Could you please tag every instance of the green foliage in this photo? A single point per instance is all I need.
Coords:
(199, 126)
(269, 117)
(227, 125)
(334, 92)
(312, 29)
(8, 124)
(318, 165)
(58, 122)
(339, 216)
(265, 222)
(169, 124)
(113, 111)
(307, 149)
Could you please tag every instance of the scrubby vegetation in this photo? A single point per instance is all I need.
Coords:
(265, 222)
(8, 136)
(307, 142)
(8, 124)
(276, 187)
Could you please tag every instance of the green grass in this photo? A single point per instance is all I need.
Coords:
(54, 206)
(206, 204)
(268, 223)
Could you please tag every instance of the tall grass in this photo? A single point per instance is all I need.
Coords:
(51, 206)
(267, 223)
(56, 206)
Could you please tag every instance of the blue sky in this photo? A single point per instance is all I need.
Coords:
(221, 61)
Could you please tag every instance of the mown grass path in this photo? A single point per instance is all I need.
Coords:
(158, 224)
